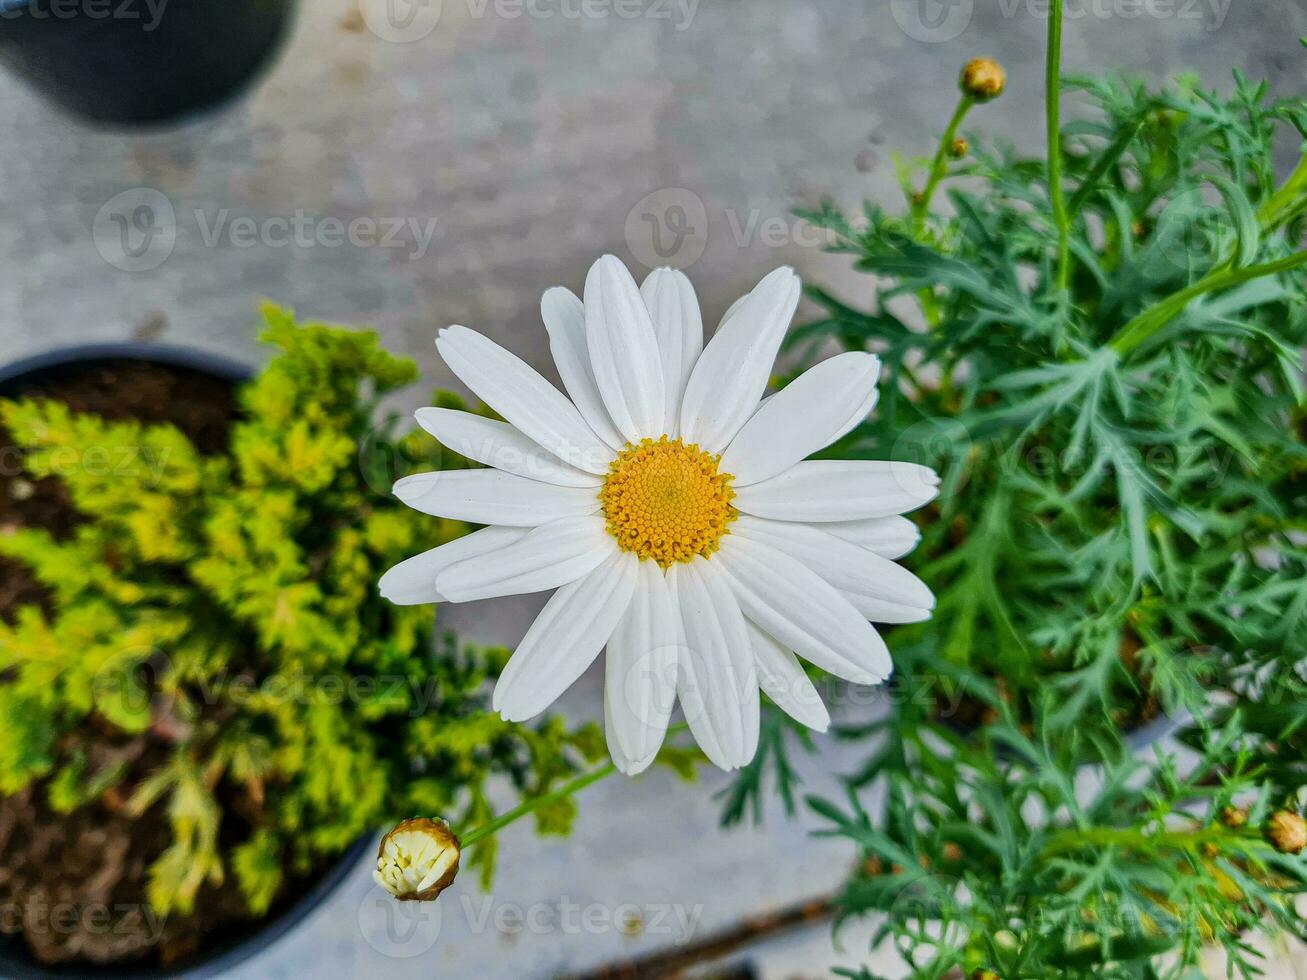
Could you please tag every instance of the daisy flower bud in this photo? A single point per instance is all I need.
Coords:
(418, 859)
(983, 79)
(959, 148)
(1287, 832)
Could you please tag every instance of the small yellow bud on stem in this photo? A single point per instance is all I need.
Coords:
(983, 79)
(959, 148)
(1234, 817)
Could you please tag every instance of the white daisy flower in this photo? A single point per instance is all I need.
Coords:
(671, 506)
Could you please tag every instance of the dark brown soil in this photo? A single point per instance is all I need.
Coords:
(74, 885)
(201, 406)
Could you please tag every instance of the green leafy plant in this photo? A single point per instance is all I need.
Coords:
(213, 649)
(1100, 350)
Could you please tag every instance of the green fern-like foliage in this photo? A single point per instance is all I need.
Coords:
(222, 610)
(1119, 425)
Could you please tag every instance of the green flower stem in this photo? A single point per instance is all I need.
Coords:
(1053, 103)
(939, 167)
(536, 802)
(1153, 319)
(1175, 840)
(921, 202)
(1286, 203)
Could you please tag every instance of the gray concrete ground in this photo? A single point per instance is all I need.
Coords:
(511, 144)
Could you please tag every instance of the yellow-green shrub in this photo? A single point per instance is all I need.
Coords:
(225, 608)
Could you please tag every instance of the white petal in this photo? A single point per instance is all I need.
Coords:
(733, 309)
(797, 607)
(623, 350)
(781, 675)
(718, 680)
(885, 611)
(413, 581)
(805, 416)
(565, 638)
(493, 497)
(512, 388)
(889, 537)
(564, 318)
(840, 490)
(500, 445)
(732, 373)
(844, 565)
(549, 556)
(640, 672)
(678, 327)
(857, 416)
(624, 763)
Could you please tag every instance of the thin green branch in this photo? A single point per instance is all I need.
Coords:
(545, 799)
(1068, 840)
(1286, 203)
(939, 167)
(1153, 319)
(1053, 102)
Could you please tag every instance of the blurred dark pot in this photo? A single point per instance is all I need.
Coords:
(139, 61)
(17, 964)
(230, 951)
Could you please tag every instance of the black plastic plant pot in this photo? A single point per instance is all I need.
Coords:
(54, 363)
(239, 946)
(140, 61)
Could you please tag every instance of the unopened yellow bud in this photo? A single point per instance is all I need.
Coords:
(1234, 817)
(1287, 832)
(983, 79)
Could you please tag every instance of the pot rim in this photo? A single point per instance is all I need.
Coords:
(174, 355)
(14, 959)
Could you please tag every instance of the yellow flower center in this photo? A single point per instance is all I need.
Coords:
(666, 501)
